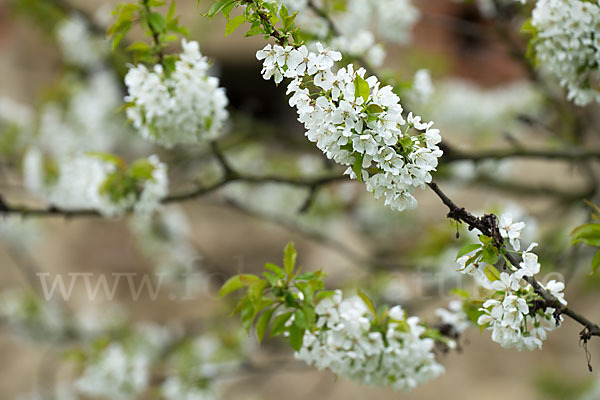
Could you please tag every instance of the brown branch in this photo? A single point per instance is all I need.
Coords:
(568, 154)
(488, 226)
(52, 211)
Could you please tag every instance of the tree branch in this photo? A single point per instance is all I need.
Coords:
(488, 226)
(569, 154)
(53, 211)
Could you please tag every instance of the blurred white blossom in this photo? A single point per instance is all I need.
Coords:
(185, 107)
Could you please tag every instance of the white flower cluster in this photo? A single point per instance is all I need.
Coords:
(514, 322)
(86, 121)
(346, 344)
(568, 47)
(463, 108)
(121, 370)
(422, 88)
(184, 107)
(357, 123)
(115, 374)
(361, 44)
(30, 317)
(395, 19)
(392, 19)
(197, 366)
(15, 113)
(79, 182)
(79, 46)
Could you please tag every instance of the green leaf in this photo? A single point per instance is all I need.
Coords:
(596, 261)
(278, 325)
(233, 24)
(288, 22)
(248, 313)
(306, 276)
(171, 12)
(489, 255)
(120, 32)
(467, 249)
(324, 294)
(255, 29)
(277, 270)
(588, 234)
(289, 258)
(169, 63)
(357, 166)
(362, 88)
(374, 109)
(271, 278)
(263, 323)
(492, 273)
(255, 291)
(283, 12)
(311, 317)
(231, 285)
(138, 46)
(528, 28)
(461, 293)
(142, 169)
(367, 301)
(218, 6)
(307, 290)
(485, 239)
(227, 10)
(296, 337)
(300, 319)
(237, 282)
(157, 22)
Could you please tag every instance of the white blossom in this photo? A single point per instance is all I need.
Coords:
(556, 289)
(422, 88)
(79, 45)
(116, 374)
(346, 344)
(464, 108)
(393, 19)
(79, 182)
(511, 230)
(514, 320)
(567, 46)
(185, 107)
(31, 317)
(362, 131)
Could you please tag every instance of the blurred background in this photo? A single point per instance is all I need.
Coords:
(483, 98)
